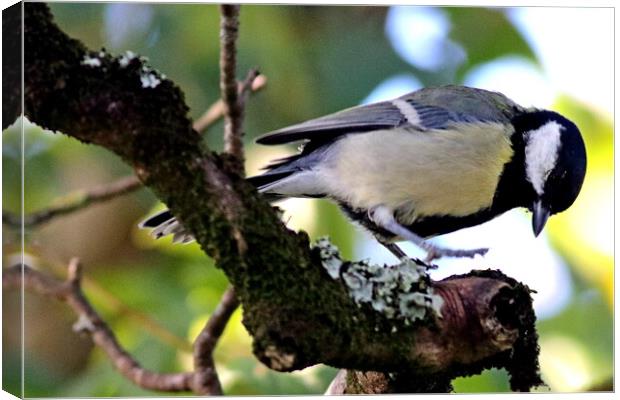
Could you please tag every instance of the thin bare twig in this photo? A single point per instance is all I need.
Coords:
(75, 201)
(207, 339)
(247, 86)
(203, 380)
(112, 302)
(89, 321)
(216, 110)
(233, 111)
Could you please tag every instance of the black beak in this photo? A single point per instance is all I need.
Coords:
(539, 219)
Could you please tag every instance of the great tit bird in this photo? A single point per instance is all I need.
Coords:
(425, 164)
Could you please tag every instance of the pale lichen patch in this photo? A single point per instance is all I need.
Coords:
(400, 292)
(149, 80)
(330, 257)
(93, 62)
(126, 58)
(148, 76)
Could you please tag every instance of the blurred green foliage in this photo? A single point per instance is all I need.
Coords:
(499, 37)
(157, 296)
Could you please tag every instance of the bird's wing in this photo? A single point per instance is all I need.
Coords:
(433, 108)
(357, 119)
(478, 104)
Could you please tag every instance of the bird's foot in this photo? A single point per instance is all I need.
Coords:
(383, 217)
(434, 252)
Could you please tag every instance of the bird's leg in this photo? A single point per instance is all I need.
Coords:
(400, 254)
(384, 217)
(393, 248)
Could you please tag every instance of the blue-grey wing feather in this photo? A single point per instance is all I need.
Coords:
(477, 104)
(357, 119)
(436, 108)
(432, 117)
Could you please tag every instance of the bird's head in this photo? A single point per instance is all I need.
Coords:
(555, 163)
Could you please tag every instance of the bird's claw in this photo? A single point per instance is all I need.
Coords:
(434, 253)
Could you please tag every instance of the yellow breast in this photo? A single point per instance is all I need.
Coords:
(435, 172)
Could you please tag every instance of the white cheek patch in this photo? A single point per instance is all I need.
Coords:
(541, 153)
(408, 112)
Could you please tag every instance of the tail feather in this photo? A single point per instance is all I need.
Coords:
(156, 220)
(163, 224)
(260, 181)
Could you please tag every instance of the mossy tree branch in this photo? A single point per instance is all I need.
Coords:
(297, 315)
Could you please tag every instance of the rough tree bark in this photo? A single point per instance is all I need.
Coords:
(297, 314)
